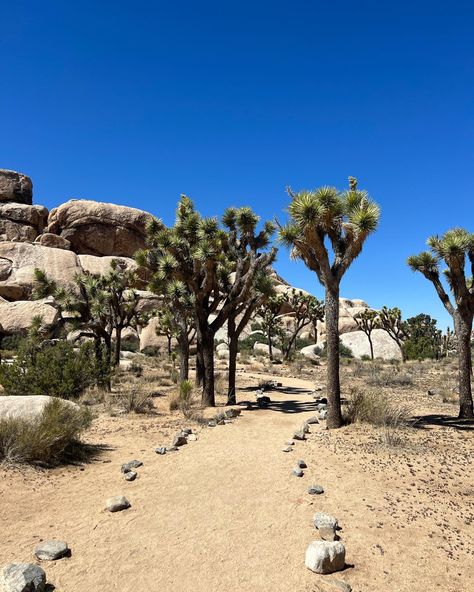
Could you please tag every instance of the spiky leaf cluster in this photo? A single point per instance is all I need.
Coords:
(344, 218)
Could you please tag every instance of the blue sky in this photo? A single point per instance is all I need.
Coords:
(229, 102)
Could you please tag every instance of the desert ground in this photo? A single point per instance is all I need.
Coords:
(225, 511)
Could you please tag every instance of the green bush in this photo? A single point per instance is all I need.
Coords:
(248, 343)
(58, 370)
(54, 438)
(344, 351)
(11, 342)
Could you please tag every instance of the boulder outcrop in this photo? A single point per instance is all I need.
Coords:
(17, 317)
(384, 346)
(27, 407)
(19, 260)
(21, 222)
(15, 187)
(96, 228)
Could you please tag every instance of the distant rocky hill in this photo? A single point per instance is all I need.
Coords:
(78, 235)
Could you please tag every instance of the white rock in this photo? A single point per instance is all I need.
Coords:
(22, 577)
(325, 557)
(263, 348)
(222, 347)
(117, 503)
(28, 407)
(384, 346)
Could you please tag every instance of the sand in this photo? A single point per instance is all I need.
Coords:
(225, 514)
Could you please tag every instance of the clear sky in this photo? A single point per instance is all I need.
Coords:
(229, 102)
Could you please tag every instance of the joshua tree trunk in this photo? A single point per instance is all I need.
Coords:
(118, 344)
(334, 419)
(206, 348)
(270, 345)
(463, 327)
(183, 356)
(199, 361)
(371, 346)
(233, 347)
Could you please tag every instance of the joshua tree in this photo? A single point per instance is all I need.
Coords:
(345, 219)
(122, 301)
(175, 319)
(456, 249)
(367, 321)
(216, 267)
(269, 312)
(89, 304)
(390, 320)
(306, 309)
(239, 319)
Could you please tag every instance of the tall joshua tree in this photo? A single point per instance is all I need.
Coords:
(367, 321)
(207, 261)
(345, 219)
(390, 320)
(306, 309)
(456, 249)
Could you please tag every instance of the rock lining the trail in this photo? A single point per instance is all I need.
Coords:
(323, 557)
(23, 577)
(52, 550)
(117, 503)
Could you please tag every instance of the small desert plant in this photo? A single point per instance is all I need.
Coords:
(133, 399)
(48, 440)
(376, 409)
(136, 369)
(182, 399)
(58, 370)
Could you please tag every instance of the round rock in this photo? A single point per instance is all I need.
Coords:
(117, 503)
(52, 550)
(23, 577)
(130, 476)
(315, 490)
(324, 557)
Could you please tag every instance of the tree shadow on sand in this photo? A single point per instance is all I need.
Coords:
(441, 420)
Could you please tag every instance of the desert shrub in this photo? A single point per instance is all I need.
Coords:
(151, 350)
(377, 409)
(133, 399)
(182, 398)
(392, 377)
(365, 358)
(58, 370)
(344, 351)
(11, 342)
(52, 439)
(136, 369)
(246, 345)
(129, 346)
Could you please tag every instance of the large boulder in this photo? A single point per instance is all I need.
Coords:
(48, 239)
(384, 346)
(96, 228)
(149, 338)
(21, 222)
(28, 407)
(262, 348)
(17, 317)
(15, 187)
(101, 265)
(19, 260)
(347, 310)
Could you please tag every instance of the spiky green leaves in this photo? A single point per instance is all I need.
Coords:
(346, 218)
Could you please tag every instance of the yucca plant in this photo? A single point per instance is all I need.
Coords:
(216, 267)
(345, 219)
(367, 320)
(456, 249)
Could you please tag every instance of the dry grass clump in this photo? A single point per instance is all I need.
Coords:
(376, 409)
(182, 398)
(134, 399)
(52, 439)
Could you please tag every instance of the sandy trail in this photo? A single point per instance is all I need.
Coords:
(222, 514)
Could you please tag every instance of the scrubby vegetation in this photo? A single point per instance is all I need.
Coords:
(51, 439)
(57, 369)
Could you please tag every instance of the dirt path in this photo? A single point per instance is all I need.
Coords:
(222, 514)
